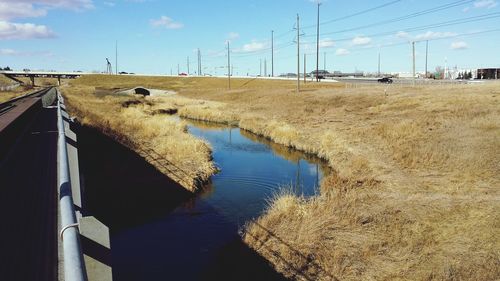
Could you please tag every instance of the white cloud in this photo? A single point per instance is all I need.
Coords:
(166, 22)
(361, 41)
(326, 43)
(19, 10)
(485, 4)
(15, 9)
(433, 35)
(10, 30)
(11, 52)
(402, 34)
(233, 35)
(459, 45)
(52, 4)
(253, 46)
(342, 52)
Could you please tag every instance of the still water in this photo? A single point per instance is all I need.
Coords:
(198, 239)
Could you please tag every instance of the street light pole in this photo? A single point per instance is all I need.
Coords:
(317, 46)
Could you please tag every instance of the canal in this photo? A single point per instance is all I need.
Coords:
(161, 232)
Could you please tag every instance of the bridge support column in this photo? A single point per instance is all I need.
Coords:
(59, 80)
(32, 78)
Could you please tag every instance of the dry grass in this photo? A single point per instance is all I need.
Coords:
(19, 91)
(415, 193)
(133, 121)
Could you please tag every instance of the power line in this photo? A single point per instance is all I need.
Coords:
(435, 25)
(409, 16)
(355, 14)
(430, 39)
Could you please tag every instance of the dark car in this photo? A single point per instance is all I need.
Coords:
(386, 80)
(321, 74)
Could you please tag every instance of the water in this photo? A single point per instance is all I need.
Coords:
(197, 238)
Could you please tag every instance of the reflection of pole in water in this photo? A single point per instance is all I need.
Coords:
(317, 175)
(297, 183)
(230, 141)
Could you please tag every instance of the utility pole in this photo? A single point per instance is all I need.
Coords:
(228, 66)
(317, 46)
(188, 65)
(272, 53)
(378, 71)
(426, 56)
(199, 62)
(305, 68)
(265, 67)
(178, 69)
(414, 76)
(116, 57)
(445, 68)
(298, 54)
(260, 67)
(324, 60)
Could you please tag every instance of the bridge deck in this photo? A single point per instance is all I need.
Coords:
(28, 203)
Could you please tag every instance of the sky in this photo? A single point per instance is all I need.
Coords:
(157, 37)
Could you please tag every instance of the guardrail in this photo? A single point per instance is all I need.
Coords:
(74, 265)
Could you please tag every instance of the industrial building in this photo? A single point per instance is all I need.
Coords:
(488, 73)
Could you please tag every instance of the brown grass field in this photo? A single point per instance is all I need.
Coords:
(416, 190)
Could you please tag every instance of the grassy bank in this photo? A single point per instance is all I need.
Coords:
(416, 189)
(140, 124)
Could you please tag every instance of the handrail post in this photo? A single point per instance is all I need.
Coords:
(74, 265)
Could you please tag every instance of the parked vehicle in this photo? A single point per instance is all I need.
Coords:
(321, 74)
(386, 80)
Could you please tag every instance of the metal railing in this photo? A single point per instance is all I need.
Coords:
(74, 265)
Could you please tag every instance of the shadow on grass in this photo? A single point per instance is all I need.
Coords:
(121, 189)
(309, 271)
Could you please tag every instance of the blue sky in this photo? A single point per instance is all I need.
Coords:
(155, 36)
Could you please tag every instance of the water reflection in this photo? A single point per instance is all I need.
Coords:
(193, 241)
(253, 168)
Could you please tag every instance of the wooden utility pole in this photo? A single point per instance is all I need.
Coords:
(378, 71)
(304, 68)
(272, 53)
(116, 57)
(260, 67)
(324, 60)
(426, 56)
(228, 66)
(414, 74)
(199, 62)
(188, 65)
(317, 46)
(298, 54)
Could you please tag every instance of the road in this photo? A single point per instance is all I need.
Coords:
(28, 203)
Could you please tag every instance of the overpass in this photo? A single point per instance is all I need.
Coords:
(42, 74)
